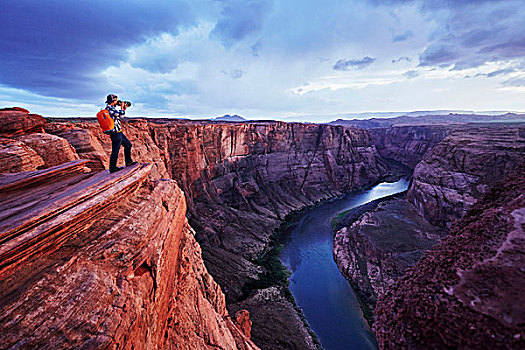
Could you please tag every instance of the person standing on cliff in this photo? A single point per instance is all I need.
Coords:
(117, 137)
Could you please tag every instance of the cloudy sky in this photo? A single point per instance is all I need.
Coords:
(302, 59)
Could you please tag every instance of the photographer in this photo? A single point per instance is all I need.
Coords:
(117, 137)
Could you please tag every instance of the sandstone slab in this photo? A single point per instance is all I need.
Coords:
(19, 121)
(52, 149)
(16, 156)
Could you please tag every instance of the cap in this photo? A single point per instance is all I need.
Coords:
(111, 98)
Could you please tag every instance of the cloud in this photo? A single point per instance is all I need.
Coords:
(235, 74)
(209, 57)
(516, 81)
(470, 34)
(57, 48)
(354, 63)
(411, 74)
(240, 18)
(437, 55)
(400, 59)
(498, 72)
(402, 37)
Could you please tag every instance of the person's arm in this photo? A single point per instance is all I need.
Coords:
(122, 108)
(113, 112)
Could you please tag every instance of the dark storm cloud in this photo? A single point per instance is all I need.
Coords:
(56, 48)
(472, 33)
(240, 18)
(354, 63)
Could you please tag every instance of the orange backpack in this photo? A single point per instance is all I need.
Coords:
(106, 122)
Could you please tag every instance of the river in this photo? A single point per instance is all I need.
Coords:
(320, 290)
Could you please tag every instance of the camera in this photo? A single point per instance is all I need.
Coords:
(127, 103)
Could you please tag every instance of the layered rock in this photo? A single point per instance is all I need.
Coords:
(462, 167)
(16, 156)
(19, 121)
(52, 149)
(240, 181)
(379, 242)
(84, 141)
(25, 147)
(467, 292)
(92, 260)
(408, 144)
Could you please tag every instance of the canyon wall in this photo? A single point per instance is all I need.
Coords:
(408, 144)
(467, 292)
(240, 182)
(379, 242)
(462, 167)
(243, 179)
(97, 260)
(384, 250)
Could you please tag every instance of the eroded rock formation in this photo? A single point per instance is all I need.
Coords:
(376, 248)
(408, 144)
(467, 292)
(462, 167)
(19, 121)
(90, 259)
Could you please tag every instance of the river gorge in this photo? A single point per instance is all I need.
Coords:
(170, 252)
(320, 291)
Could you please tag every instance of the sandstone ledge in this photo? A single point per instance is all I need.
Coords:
(99, 260)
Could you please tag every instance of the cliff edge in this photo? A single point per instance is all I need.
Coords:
(97, 260)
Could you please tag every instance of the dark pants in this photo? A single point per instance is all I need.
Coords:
(118, 139)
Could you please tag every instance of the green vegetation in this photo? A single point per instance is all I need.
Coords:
(337, 219)
(275, 274)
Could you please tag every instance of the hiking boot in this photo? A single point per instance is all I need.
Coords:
(115, 170)
(130, 164)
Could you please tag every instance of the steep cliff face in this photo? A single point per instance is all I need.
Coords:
(467, 292)
(243, 180)
(380, 242)
(240, 181)
(376, 248)
(90, 259)
(408, 144)
(462, 167)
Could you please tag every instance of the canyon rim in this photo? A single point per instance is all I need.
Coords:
(169, 253)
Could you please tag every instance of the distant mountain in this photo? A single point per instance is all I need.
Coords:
(230, 118)
(415, 118)
(368, 115)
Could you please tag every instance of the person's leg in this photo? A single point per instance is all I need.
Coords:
(127, 150)
(116, 141)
